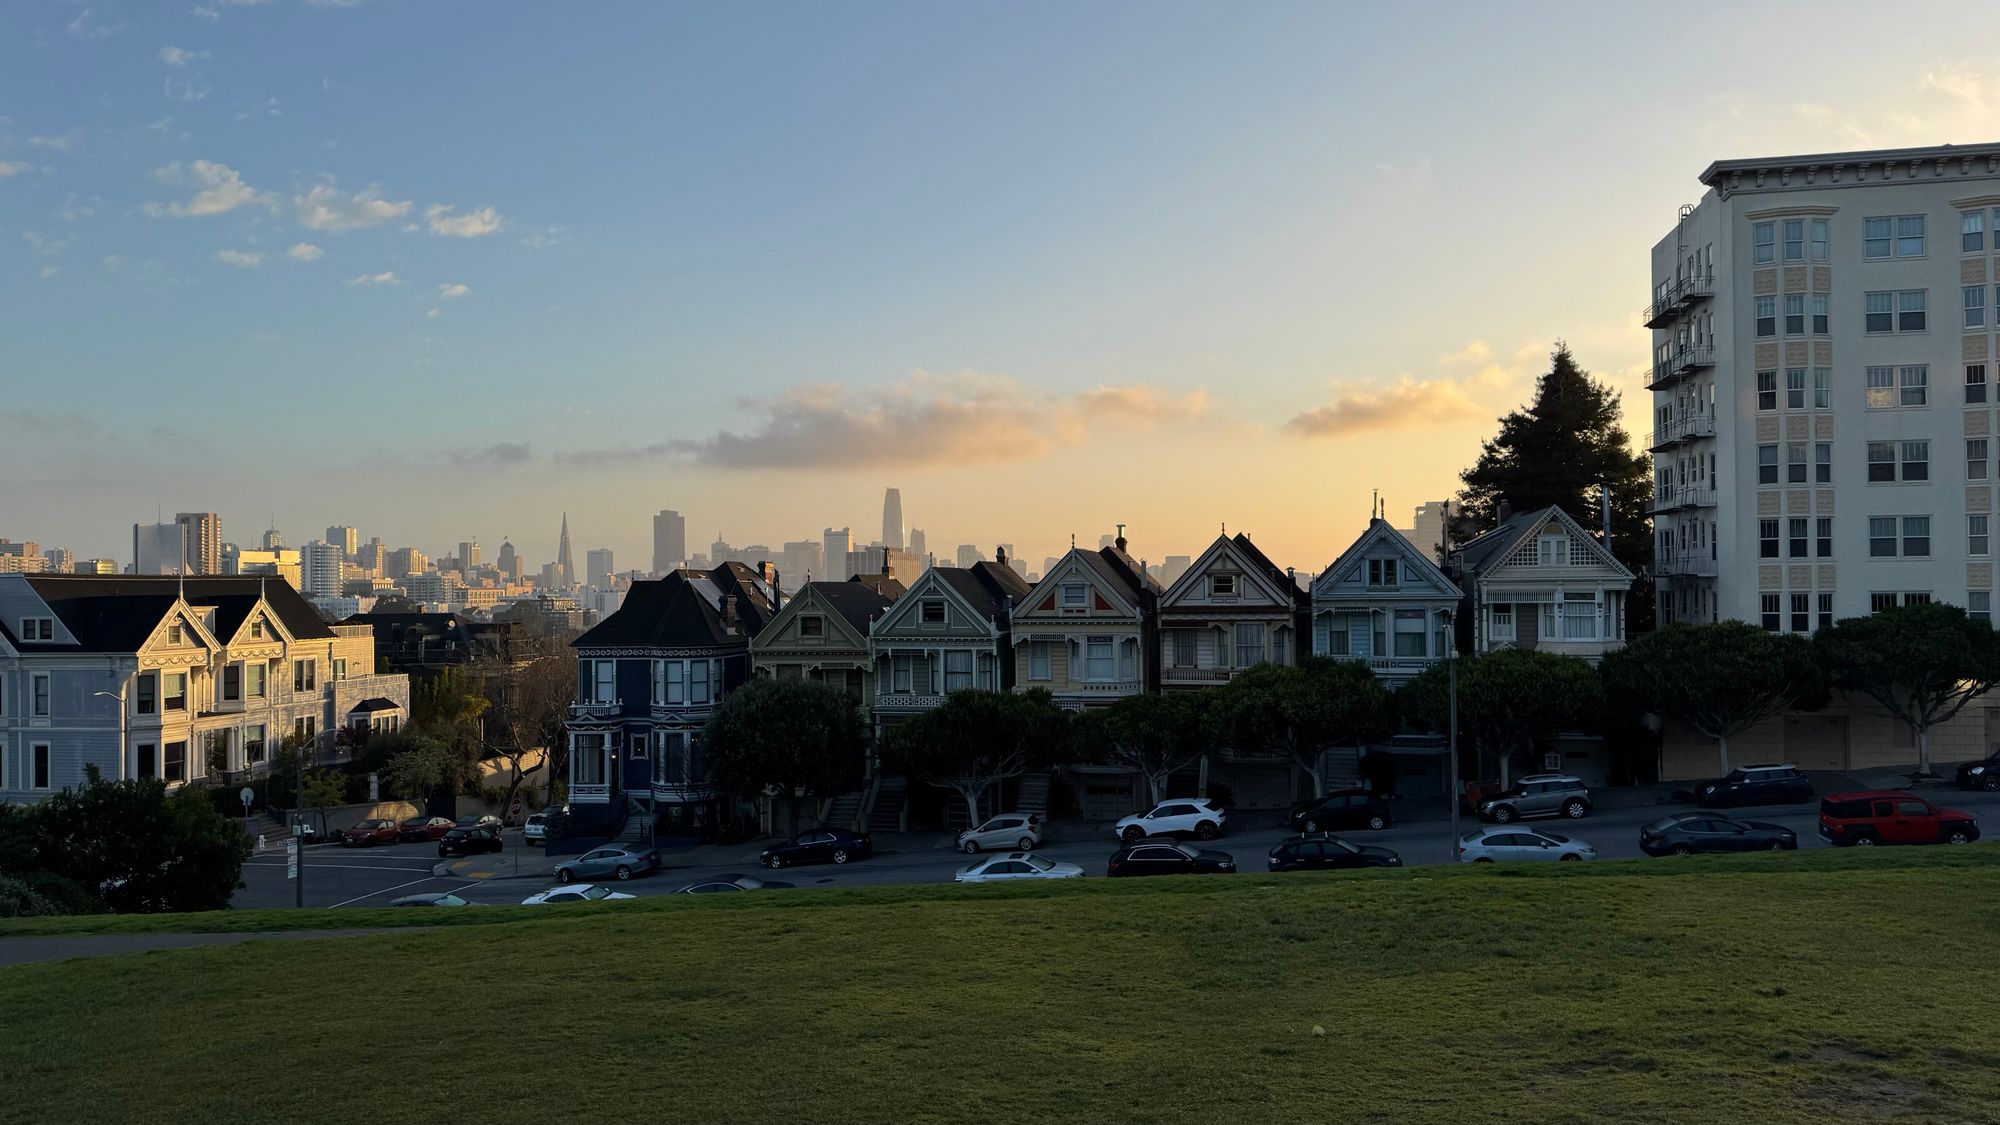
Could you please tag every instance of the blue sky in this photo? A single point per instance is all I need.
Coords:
(1045, 267)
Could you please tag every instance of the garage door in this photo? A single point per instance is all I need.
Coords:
(1814, 742)
(1107, 800)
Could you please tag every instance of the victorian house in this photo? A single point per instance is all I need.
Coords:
(952, 629)
(1086, 632)
(648, 678)
(821, 634)
(1385, 603)
(1233, 609)
(1540, 581)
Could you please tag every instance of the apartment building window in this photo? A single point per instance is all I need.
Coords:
(1821, 313)
(1382, 572)
(38, 695)
(1823, 536)
(1916, 460)
(1975, 382)
(254, 743)
(148, 764)
(1767, 316)
(1881, 461)
(1075, 595)
(339, 670)
(1795, 388)
(1910, 236)
(232, 682)
(1971, 232)
(1916, 537)
(147, 702)
(1099, 659)
(1250, 642)
(1819, 240)
(1916, 597)
(1222, 585)
(1767, 464)
(1795, 314)
(253, 679)
(1881, 537)
(1795, 240)
(1975, 459)
(1768, 612)
(38, 766)
(1825, 611)
(1975, 306)
(1822, 387)
(175, 762)
(1801, 613)
(174, 690)
(1910, 305)
(1795, 529)
(305, 729)
(933, 613)
(1767, 539)
(957, 670)
(603, 681)
(1916, 381)
(1979, 606)
(1877, 238)
(305, 675)
(1879, 601)
(1767, 390)
(1764, 236)
(1976, 538)
(1881, 388)
(1795, 462)
(1823, 462)
(1878, 312)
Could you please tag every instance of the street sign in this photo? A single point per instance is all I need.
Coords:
(248, 795)
(292, 859)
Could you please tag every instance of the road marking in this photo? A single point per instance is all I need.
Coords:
(340, 866)
(386, 890)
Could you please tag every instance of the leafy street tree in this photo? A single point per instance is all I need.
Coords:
(793, 737)
(1721, 679)
(420, 768)
(144, 850)
(450, 709)
(324, 789)
(530, 698)
(1155, 736)
(975, 739)
(1509, 701)
(1304, 710)
(1922, 663)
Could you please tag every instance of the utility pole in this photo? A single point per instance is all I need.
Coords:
(1451, 659)
(298, 845)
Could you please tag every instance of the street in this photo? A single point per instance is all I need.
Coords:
(338, 876)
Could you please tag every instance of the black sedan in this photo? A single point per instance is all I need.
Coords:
(820, 845)
(1755, 785)
(469, 841)
(1167, 857)
(1688, 833)
(1328, 853)
(1342, 808)
(1983, 774)
(725, 883)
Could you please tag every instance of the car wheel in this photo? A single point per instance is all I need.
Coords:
(1990, 783)
(1135, 833)
(1864, 841)
(442, 853)
(565, 875)
(1679, 849)
(1958, 836)
(1312, 827)
(1484, 859)
(1378, 823)
(970, 847)
(1775, 846)
(624, 873)
(1708, 794)
(840, 855)
(775, 862)
(1574, 809)
(1571, 857)
(1205, 830)
(1503, 814)
(1027, 843)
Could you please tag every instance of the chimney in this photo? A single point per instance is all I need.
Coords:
(1120, 541)
(1000, 555)
(729, 614)
(886, 573)
(1503, 511)
(1604, 499)
(769, 574)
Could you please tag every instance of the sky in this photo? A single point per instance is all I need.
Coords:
(447, 269)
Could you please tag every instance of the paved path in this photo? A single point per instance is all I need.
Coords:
(24, 950)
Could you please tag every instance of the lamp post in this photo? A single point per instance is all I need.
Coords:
(1451, 661)
(123, 737)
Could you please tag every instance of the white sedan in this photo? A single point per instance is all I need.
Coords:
(1013, 866)
(1509, 843)
(575, 892)
(1196, 816)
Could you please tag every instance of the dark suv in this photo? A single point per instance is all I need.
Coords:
(1756, 785)
(1538, 794)
(1981, 775)
(1892, 816)
(1342, 808)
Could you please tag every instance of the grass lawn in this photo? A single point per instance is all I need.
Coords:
(1821, 987)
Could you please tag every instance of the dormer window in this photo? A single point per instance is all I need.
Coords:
(812, 625)
(1552, 550)
(1382, 572)
(933, 613)
(38, 628)
(1222, 585)
(257, 629)
(174, 633)
(1075, 595)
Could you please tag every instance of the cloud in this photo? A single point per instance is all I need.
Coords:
(193, 88)
(48, 245)
(500, 453)
(432, 314)
(956, 419)
(386, 277)
(50, 271)
(304, 252)
(11, 168)
(1837, 122)
(61, 142)
(241, 259)
(335, 3)
(451, 291)
(201, 12)
(87, 25)
(325, 208)
(177, 57)
(543, 239)
(1472, 383)
(76, 207)
(472, 224)
(63, 424)
(221, 190)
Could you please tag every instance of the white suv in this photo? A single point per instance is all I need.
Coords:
(1199, 816)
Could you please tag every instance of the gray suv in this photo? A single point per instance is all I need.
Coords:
(1538, 794)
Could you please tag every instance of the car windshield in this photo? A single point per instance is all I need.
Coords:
(1472, 837)
(1341, 844)
(1037, 862)
(1664, 823)
(1186, 851)
(1555, 838)
(416, 822)
(450, 900)
(595, 893)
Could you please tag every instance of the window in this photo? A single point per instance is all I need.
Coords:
(1979, 605)
(603, 681)
(1910, 236)
(1763, 236)
(1553, 550)
(1976, 539)
(1795, 535)
(1881, 388)
(698, 680)
(38, 690)
(1767, 539)
(254, 743)
(902, 674)
(1975, 306)
(1975, 459)
(1075, 595)
(1579, 617)
(1801, 613)
(1382, 572)
(1337, 643)
(148, 699)
(305, 675)
(1822, 387)
(1821, 309)
(1916, 460)
(1767, 464)
(1878, 312)
(305, 729)
(1971, 232)
(38, 766)
(1249, 644)
(957, 670)
(1916, 381)
(933, 612)
(1825, 610)
(676, 675)
(176, 762)
(1795, 462)
(1767, 390)
(1914, 598)
(1768, 605)
(1795, 388)
(1767, 316)
(256, 628)
(174, 634)
(1795, 240)
(1916, 537)
(1823, 536)
(1222, 585)
(1910, 310)
(812, 625)
(1975, 382)
(1875, 240)
(339, 670)
(148, 764)
(174, 691)
(1878, 601)
(1818, 229)
(1038, 660)
(38, 628)
(1181, 649)
(587, 764)
(232, 682)
(1882, 537)
(1099, 659)
(1823, 462)
(253, 680)
(1795, 314)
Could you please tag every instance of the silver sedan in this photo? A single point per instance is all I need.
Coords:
(1510, 843)
(1011, 867)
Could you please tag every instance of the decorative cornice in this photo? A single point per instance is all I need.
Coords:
(1972, 201)
(1813, 210)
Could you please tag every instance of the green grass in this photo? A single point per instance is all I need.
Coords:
(1818, 987)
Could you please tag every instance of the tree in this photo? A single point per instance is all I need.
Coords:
(1922, 663)
(976, 738)
(324, 789)
(530, 698)
(1721, 679)
(1509, 701)
(142, 849)
(419, 769)
(796, 737)
(1300, 711)
(1154, 736)
(450, 709)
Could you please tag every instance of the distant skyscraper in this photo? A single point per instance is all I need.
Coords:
(1104, 541)
(156, 548)
(800, 562)
(320, 566)
(61, 560)
(917, 543)
(836, 545)
(720, 551)
(968, 554)
(598, 567)
(1172, 567)
(201, 541)
(274, 540)
(468, 555)
(509, 562)
(348, 539)
(1426, 528)
(374, 558)
(892, 518)
(565, 565)
(670, 541)
(405, 561)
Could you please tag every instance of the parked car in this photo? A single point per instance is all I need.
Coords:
(369, 833)
(1197, 816)
(1892, 816)
(1342, 808)
(1983, 774)
(536, 831)
(1538, 794)
(480, 820)
(469, 841)
(1687, 833)
(1516, 845)
(420, 828)
(435, 898)
(580, 892)
(1015, 867)
(1165, 857)
(723, 883)
(620, 861)
(1327, 853)
(819, 845)
(1007, 830)
(1756, 785)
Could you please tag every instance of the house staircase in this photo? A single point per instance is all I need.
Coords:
(891, 796)
(1341, 768)
(1034, 794)
(844, 811)
(638, 827)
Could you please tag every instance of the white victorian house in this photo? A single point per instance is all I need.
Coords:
(1540, 581)
(1232, 610)
(1082, 633)
(1385, 603)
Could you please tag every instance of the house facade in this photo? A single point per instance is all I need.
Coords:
(1233, 609)
(1087, 632)
(193, 681)
(821, 634)
(1385, 603)
(648, 678)
(1540, 581)
(952, 629)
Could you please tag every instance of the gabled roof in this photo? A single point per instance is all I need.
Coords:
(117, 613)
(857, 603)
(1486, 551)
(1115, 564)
(1379, 531)
(988, 587)
(1252, 560)
(685, 610)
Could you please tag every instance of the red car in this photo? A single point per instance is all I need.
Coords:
(368, 833)
(420, 828)
(1892, 816)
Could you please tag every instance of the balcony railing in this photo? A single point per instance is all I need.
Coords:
(590, 794)
(1694, 565)
(1678, 499)
(1678, 363)
(1172, 675)
(594, 710)
(1680, 430)
(673, 794)
(1681, 293)
(907, 701)
(1110, 689)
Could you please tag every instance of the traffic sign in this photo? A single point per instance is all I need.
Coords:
(248, 795)
(292, 859)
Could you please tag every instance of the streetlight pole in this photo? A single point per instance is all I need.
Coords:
(1451, 660)
(123, 737)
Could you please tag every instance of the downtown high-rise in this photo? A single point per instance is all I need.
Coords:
(669, 541)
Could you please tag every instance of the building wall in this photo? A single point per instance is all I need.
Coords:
(1851, 734)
